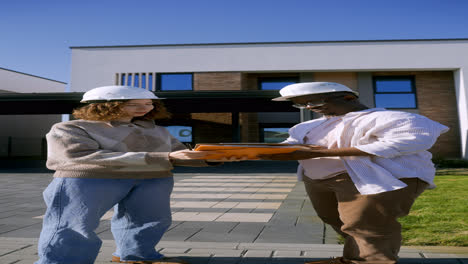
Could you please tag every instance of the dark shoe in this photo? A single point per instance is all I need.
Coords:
(164, 260)
(331, 261)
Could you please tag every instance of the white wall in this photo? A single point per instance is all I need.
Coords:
(97, 66)
(93, 67)
(24, 83)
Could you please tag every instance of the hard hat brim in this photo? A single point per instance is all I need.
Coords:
(287, 98)
(104, 101)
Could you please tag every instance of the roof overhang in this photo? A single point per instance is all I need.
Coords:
(176, 102)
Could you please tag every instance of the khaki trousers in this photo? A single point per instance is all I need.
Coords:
(368, 223)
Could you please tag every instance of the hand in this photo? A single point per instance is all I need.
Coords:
(190, 154)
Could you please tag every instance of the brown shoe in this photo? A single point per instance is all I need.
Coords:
(164, 260)
(331, 261)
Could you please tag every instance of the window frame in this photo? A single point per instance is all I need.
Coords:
(158, 81)
(410, 78)
(275, 79)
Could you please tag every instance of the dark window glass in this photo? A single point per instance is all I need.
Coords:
(129, 80)
(182, 133)
(275, 134)
(175, 82)
(122, 81)
(143, 80)
(393, 86)
(395, 100)
(137, 80)
(150, 82)
(395, 92)
(275, 83)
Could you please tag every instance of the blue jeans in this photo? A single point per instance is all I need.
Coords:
(142, 214)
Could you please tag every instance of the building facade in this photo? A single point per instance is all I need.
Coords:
(420, 76)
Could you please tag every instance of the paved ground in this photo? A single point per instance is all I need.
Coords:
(237, 213)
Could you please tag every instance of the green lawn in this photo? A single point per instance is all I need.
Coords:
(439, 217)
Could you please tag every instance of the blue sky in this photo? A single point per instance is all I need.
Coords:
(36, 34)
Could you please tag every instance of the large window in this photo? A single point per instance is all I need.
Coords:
(175, 82)
(275, 83)
(274, 133)
(395, 92)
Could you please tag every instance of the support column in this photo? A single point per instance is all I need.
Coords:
(305, 114)
(366, 89)
(461, 90)
(235, 127)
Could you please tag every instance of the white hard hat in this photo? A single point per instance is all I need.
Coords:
(110, 93)
(306, 88)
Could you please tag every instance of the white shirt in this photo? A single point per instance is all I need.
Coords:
(327, 167)
(398, 140)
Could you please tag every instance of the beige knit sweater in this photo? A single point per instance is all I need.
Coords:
(98, 149)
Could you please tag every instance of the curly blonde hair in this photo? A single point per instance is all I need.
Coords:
(107, 111)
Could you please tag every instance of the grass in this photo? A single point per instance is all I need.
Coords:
(439, 217)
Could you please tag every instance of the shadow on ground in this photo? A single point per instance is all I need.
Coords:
(38, 166)
(246, 260)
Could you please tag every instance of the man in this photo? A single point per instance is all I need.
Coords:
(373, 165)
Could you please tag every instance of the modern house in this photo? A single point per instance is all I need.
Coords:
(420, 76)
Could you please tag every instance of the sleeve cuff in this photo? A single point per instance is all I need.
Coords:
(161, 158)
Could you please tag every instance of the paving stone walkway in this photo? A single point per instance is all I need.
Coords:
(234, 217)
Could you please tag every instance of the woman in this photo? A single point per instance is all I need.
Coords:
(112, 156)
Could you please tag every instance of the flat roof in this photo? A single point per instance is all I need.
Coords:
(31, 75)
(272, 43)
